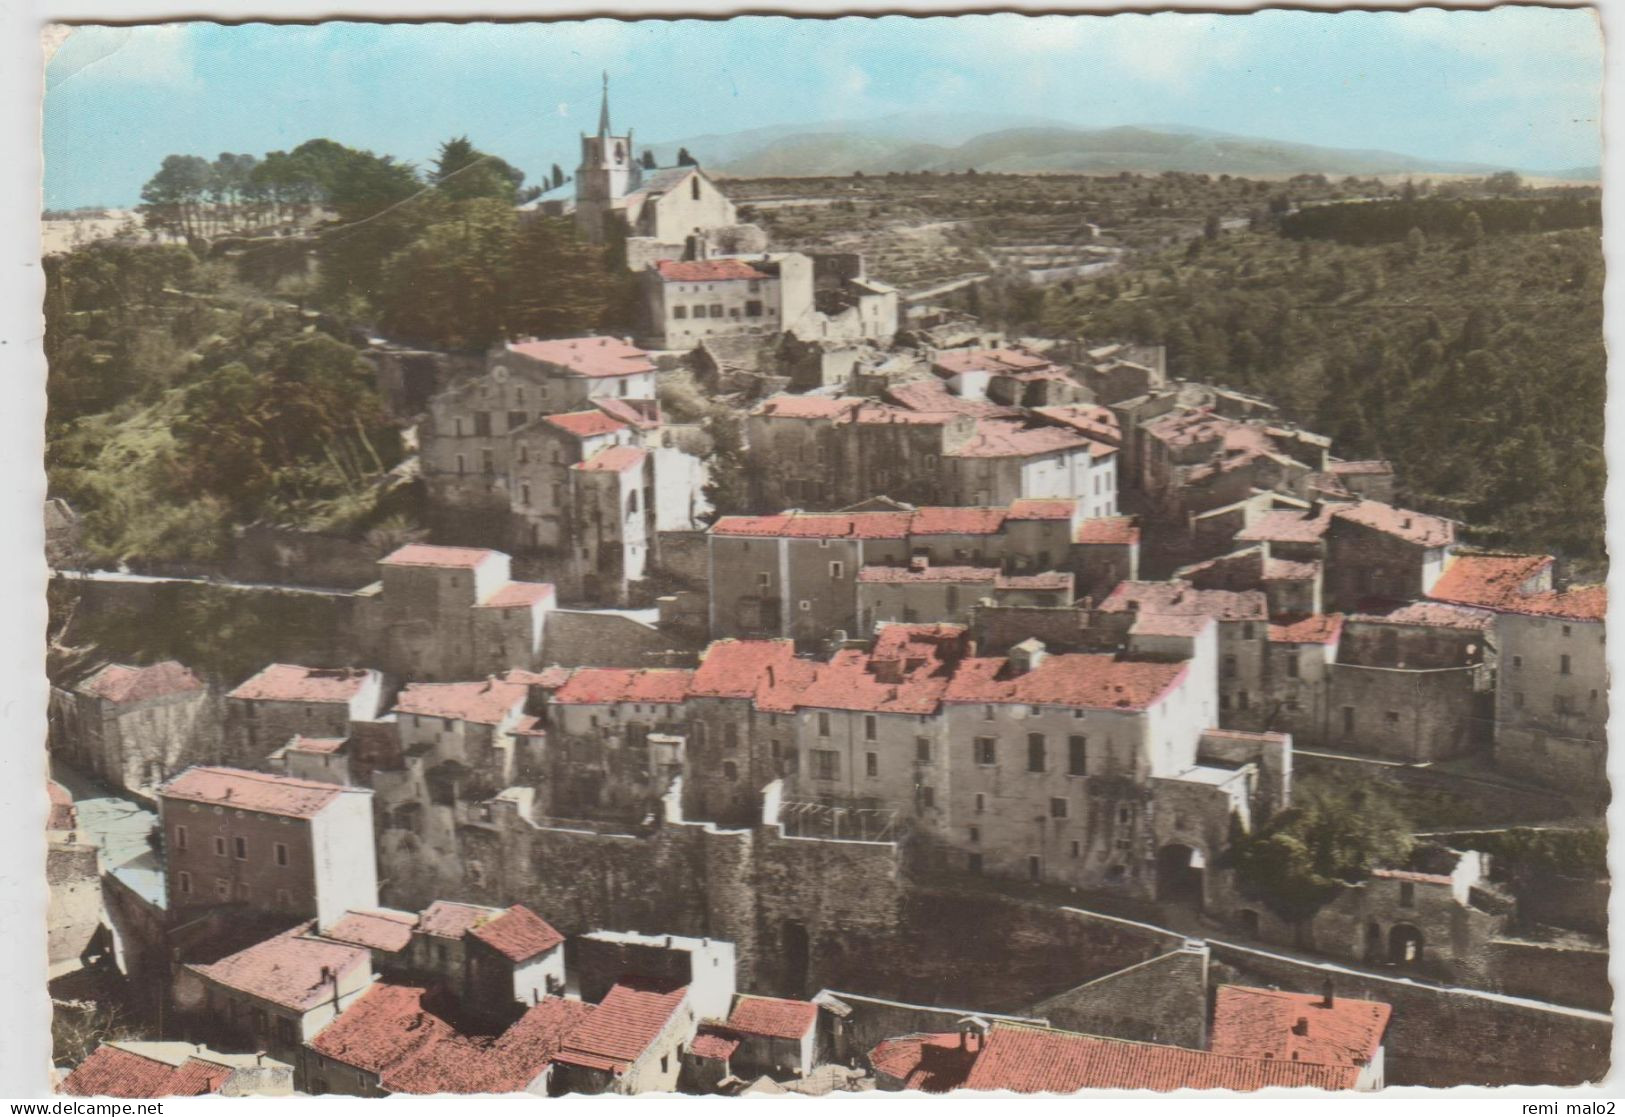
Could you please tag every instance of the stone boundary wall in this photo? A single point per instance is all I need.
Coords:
(1163, 1000)
(267, 553)
(1572, 974)
(874, 1019)
(1438, 799)
(1442, 1036)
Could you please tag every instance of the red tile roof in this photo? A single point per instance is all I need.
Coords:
(378, 930)
(1042, 509)
(818, 525)
(957, 521)
(1006, 360)
(484, 703)
(737, 668)
(1182, 599)
(906, 671)
(449, 558)
(1001, 438)
(875, 413)
(642, 414)
(585, 424)
(774, 1017)
(707, 271)
(285, 682)
(518, 934)
(586, 356)
(933, 1062)
(1318, 628)
(1289, 525)
(381, 1028)
(255, 791)
(317, 745)
(1112, 530)
(1163, 624)
(934, 397)
(119, 683)
(64, 815)
(713, 1042)
(597, 686)
(505, 1065)
(629, 1018)
(1082, 680)
(1363, 467)
(448, 919)
(295, 969)
(1491, 581)
(1288, 1027)
(518, 595)
(1412, 527)
(1086, 418)
(548, 678)
(1283, 570)
(111, 1071)
(613, 459)
(1433, 614)
(1033, 1060)
(1577, 603)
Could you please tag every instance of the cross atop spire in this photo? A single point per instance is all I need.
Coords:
(603, 112)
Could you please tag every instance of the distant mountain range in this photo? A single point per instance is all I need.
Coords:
(990, 143)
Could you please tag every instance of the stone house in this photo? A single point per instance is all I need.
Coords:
(1014, 376)
(631, 1043)
(615, 742)
(274, 844)
(460, 736)
(772, 1036)
(160, 1069)
(133, 727)
(286, 700)
(73, 885)
(1007, 460)
(1375, 552)
(948, 593)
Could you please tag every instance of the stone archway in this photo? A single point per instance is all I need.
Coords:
(1405, 944)
(1179, 874)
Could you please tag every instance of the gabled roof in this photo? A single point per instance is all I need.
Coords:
(295, 970)
(775, 1017)
(1182, 599)
(595, 686)
(589, 357)
(585, 424)
(1081, 680)
(1433, 614)
(1318, 628)
(263, 792)
(737, 668)
(1412, 527)
(1031, 1060)
(112, 1071)
(935, 1062)
(1108, 530)
(1289, 525)
(378, 929)
(518, 595)
(933, 397)
(1491, 581)
(807, 407)
(487, 702)
(629, 1018)
(717, 270)
(518, 934)
(1577, 603)
(447, 558)
(818, 525)
(286, 682)
(1003, 438)
(712, 1041)
(117, 682)
(1302, 1027)
(448, 919)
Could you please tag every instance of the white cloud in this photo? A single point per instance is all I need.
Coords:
(152, 55)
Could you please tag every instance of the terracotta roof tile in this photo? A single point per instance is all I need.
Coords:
(906, 671)
(818, 525)
(294, 969)
(613, 459)
(1369, 468)
(1000, 438)
(707, 271)
(642, 414)
(1318, 628)
(518, 934)
(484, 703)
(1413, 527)
(285, 682)
(1490, 581)
(585, 424)
(448, 919)
(518, 595)
(934, 397)
(629, 1018)
(1182, 599)
(1406, 874)
(775, 1017)
(119, 683)
(1086, 418)
(597, 686)
(1283, 570)
(112, 1072)
(1081, 680)
(379, 930)
(713, 1042)
(1287, 1027)
(1032, 1060)
(586, 356)
(998, 361)
(321, 746)
(1163, 624)
(933, 1062)
(255, 791)
(1577, 603)
(1109, 530)
(425, 554)
(737, 668)
(1042, 509)
(957, 521)
(807, 407)
(1289, 525)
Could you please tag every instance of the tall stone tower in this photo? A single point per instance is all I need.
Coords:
(607, 173)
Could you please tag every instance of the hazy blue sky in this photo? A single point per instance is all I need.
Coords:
(1512, 86)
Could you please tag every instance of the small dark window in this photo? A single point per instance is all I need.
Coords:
(1077, 756)
(871, 764)
(975, 834)
(1563, 665)
(985, 750)
(1035, 752)
(281, 854)
(241, 848)
(869, 727)
(1407, 894)
(1057, 808)
(730, 771)
(922, 746)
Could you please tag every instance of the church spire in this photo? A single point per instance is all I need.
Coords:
(603, 112)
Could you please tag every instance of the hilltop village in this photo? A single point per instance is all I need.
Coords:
(968, 748)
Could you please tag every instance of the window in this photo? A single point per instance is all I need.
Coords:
(1563, 665)
(240, 848)
(281, 854)
(826, 764)
(1077, 756)
(694, 194)
(985, 747)
(1247, 630)
(1035, 867)
(869, 727)
(763, 579)
(1291, 666)
(804, 606)
(836, 571)
(482, 424)
(730, 771)
(987, 713)
(716, 310)
(1242, 700)
(679, 312)
(186, 884)
(222, 888)
(730, 736)
(1035, 752)
(871, 764)
(180, 837)
(524, 493)
(1057, 808)
(975, 835)
(1077, 849)
(517, 419)
(1392, 717)
(1517, 663)
(981, 802)
(1407, 894)
(220, 847)
(1567, 631)
(753, 308)
(823, 725)
(922, 747)
(1229, 666)
(1125, 815)
(928, 796)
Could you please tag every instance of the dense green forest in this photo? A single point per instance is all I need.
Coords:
(212, 378)
(1474, 361)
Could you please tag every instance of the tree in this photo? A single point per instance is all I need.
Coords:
(449, 286)
(1472, 230)
(558, 176)
(649, 163)
(1416, 245)
(461, 171)
(173, 197)
(1504, 182)
(684, 159)
(1211, 228)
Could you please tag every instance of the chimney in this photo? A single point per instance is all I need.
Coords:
(1301, 1028)
(1027, 655)
(1327, 997)
(770, 674)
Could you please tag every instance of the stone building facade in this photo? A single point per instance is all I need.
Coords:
(134, 727)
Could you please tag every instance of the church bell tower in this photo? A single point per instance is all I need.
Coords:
(608, 171)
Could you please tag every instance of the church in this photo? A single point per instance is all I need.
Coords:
(670, 213)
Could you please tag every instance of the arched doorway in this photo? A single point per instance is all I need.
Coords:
(1179, 874)
(1404, 944)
